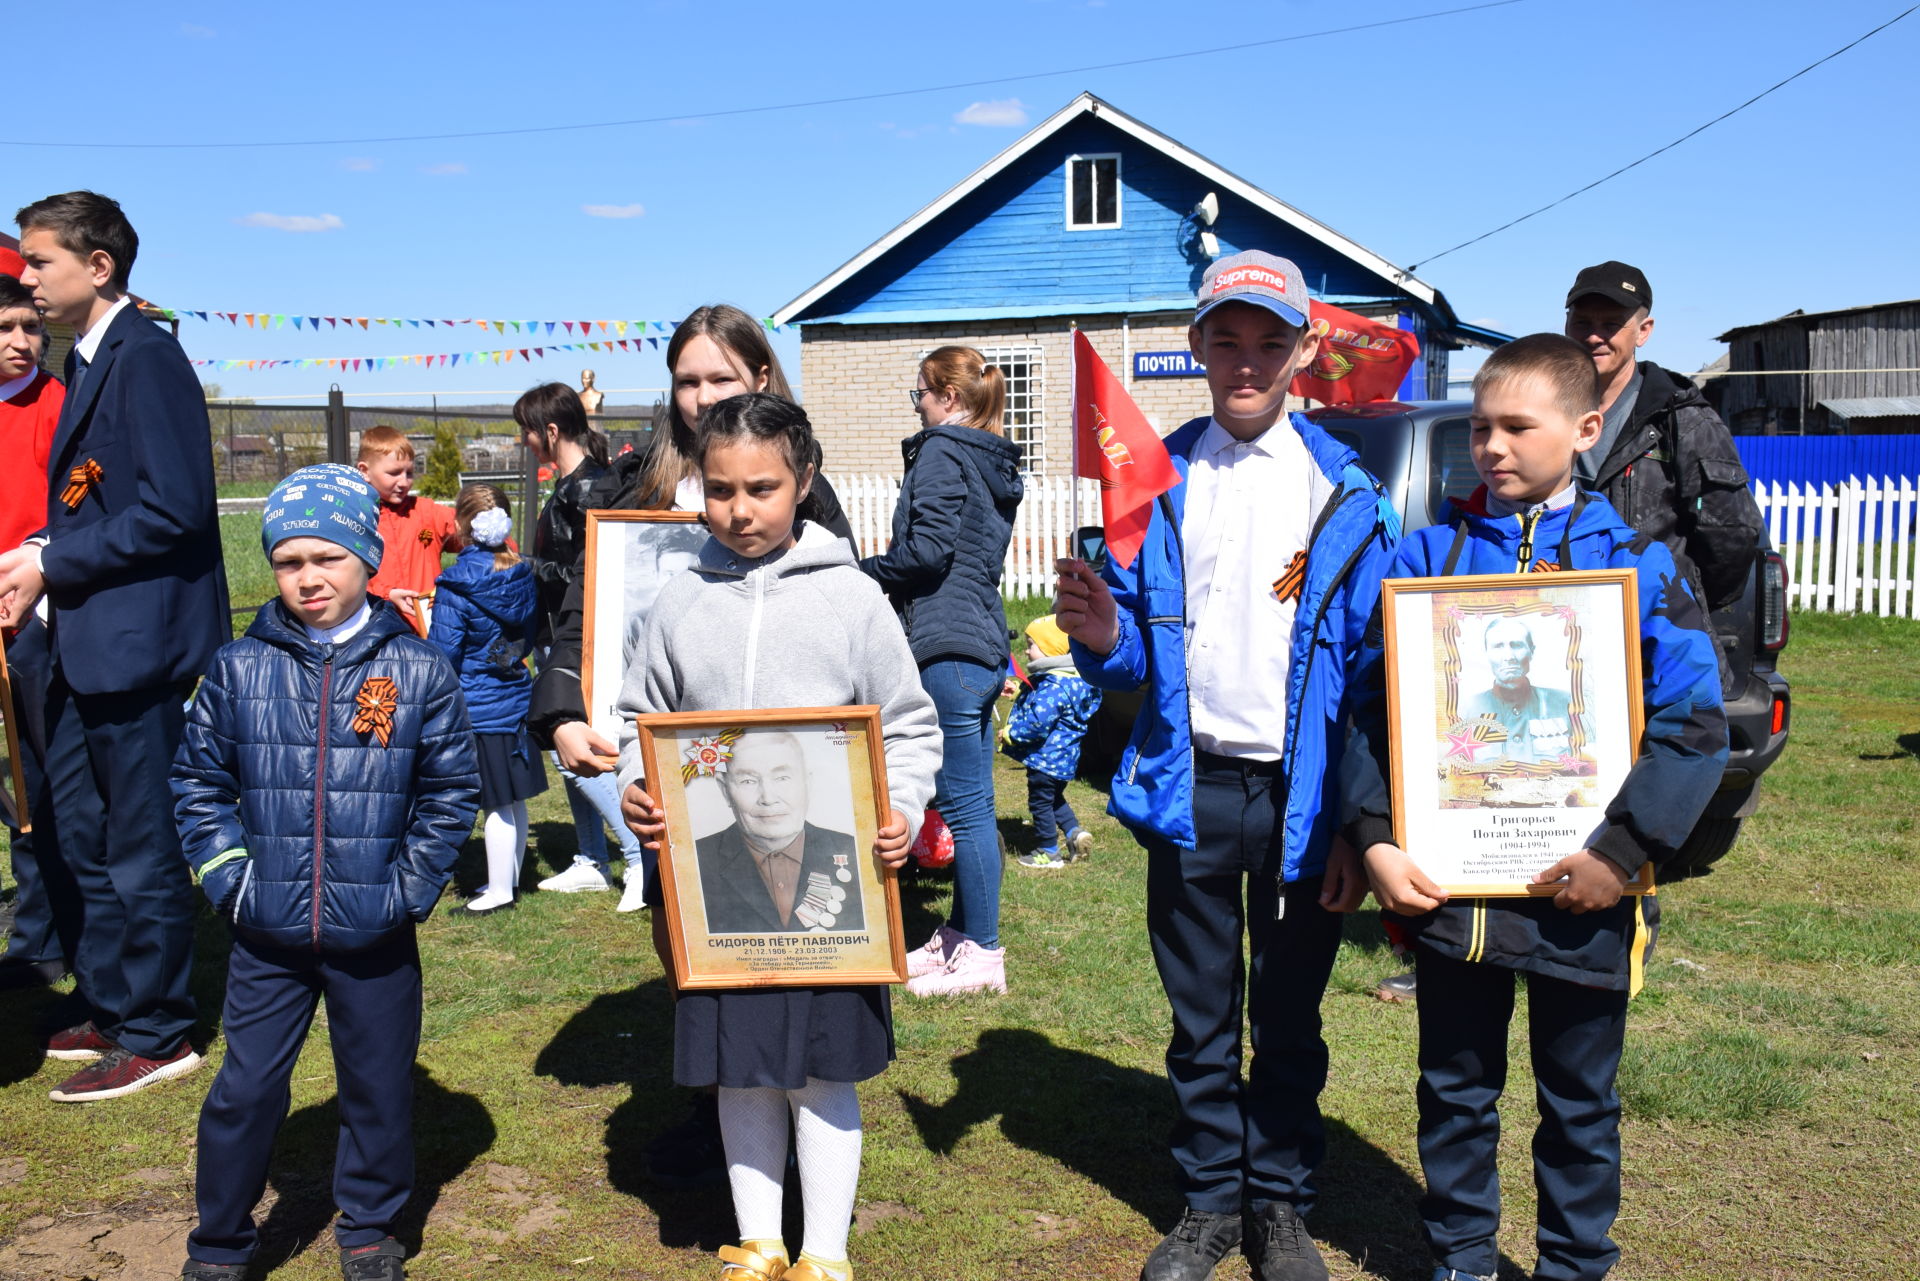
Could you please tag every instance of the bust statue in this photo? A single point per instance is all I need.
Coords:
(591, 397)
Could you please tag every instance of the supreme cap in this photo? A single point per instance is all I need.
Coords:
(1259, 278)
(1614, 281)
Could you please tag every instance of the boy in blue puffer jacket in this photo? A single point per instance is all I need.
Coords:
(322, 790)
(488, 606)
(1582, 945)
(1043, 733)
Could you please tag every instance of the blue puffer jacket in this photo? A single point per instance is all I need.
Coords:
(1049, 720)
(1352, 540)
(302, 823)
(483, 621)
(1683, 750)
(951, 527)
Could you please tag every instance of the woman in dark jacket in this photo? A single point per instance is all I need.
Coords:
(951, 527)
(554, 425)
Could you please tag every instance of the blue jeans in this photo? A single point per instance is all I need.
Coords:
(595, 800)
(963, 692)
(1052, 816)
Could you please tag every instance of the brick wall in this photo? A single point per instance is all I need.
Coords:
(855, 379)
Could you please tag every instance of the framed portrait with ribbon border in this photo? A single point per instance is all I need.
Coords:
(767, 867)
(1516, 710)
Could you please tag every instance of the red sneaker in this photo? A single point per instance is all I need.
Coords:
(78, 1044)
(121, 1071)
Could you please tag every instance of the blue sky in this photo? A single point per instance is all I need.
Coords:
(1408, 139)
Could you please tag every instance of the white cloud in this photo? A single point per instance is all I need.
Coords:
(613, 211)
(447, 169)
(293, 222)
(194, 31)
(1001, 113)
(359, 164)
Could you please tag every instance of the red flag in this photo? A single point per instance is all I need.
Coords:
(1359, 360)
(1116, 445)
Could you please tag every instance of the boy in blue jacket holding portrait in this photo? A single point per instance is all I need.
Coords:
(1583, 945)
(1240, 616)
(323, 790)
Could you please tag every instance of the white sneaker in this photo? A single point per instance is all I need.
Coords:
(933, 956)
(583, 877)
(633, 896)
(971, 968)
(489, 902)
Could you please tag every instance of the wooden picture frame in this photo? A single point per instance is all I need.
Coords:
(421, 619)
(1515, 709)
(730, 783)
(630, 555)
(13, 781)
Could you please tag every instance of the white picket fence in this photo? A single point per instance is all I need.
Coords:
(1042, 532)
(1848, 547)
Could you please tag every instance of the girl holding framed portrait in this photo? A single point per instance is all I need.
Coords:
(775, 615)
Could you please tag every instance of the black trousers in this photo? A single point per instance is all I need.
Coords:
(117, 870)
(1053, 818)
(1575, 1034)
(1258, 1138)
(36, 936)
(373, 1021)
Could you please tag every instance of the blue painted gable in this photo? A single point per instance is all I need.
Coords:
(1006, 245)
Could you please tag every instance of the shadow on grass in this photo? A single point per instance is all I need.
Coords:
(1909, 745)
(626, 1038)
(1107, 1124)
(451, 1131)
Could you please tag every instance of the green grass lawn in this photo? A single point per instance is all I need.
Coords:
(1772, 1078)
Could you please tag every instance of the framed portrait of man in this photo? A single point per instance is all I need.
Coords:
(1515, 707)
(767, 866)
(13, 783)
(630, 556)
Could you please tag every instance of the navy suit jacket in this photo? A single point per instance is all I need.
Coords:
(736, 898)
(134, 571)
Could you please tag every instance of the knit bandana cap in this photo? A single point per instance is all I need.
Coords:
(325, 501)
(1047, 637)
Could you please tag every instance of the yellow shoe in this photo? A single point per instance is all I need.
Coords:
(745, 1265)
(809, 1270)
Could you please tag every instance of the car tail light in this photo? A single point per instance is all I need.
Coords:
(1779, 715)
(1773, 604)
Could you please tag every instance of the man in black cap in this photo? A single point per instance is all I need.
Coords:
(1664, 459)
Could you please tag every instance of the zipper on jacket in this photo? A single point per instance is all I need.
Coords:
(1293, 714)
(319, 786)
(753, 636)
(1524, 557)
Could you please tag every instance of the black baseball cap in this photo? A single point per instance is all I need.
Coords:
(1614, 281)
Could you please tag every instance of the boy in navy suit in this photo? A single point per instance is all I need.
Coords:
(129, 565)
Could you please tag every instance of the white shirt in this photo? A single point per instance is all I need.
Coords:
(89, 343)
(342, 632)
(1249, 510)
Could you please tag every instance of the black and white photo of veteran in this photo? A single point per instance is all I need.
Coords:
(1536, 719)
(770, 870)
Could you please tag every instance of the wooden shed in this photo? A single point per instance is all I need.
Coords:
(1855, 370)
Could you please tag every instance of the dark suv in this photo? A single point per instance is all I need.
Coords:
(1419, 452)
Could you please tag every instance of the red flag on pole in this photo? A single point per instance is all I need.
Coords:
(1114, 444)
(1359, 360)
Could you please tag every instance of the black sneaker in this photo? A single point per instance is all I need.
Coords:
(691, 1154)
(1279, 1247)
(198, 1271)
(1194, 1248)
(382, 1261)
(1399, 987)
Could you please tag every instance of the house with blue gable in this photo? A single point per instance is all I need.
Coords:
(1092, 220)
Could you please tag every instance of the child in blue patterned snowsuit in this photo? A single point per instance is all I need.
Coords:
(1043, 733)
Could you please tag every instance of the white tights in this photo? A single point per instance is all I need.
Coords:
(506, 837)
(826, 1124)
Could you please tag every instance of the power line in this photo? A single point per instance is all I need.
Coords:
(1669, 147)
(783, 106)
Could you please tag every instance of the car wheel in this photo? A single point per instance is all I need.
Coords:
(1709, 841)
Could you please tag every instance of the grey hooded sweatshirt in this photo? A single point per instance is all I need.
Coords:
(799, 628)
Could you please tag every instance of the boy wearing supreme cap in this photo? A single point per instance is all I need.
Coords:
(1241, 614)
(323, 789)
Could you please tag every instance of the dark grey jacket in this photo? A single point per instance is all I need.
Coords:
(951, 528)
(1675, 474)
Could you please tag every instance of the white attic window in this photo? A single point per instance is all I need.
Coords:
(1093, 192)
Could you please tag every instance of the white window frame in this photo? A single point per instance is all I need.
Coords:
(1119, 193)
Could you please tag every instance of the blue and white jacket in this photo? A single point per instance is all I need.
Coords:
(1050, 718)
(1683, 751)
(483, 621)
(1352, 540)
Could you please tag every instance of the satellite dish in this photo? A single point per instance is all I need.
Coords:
(1208, 209)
